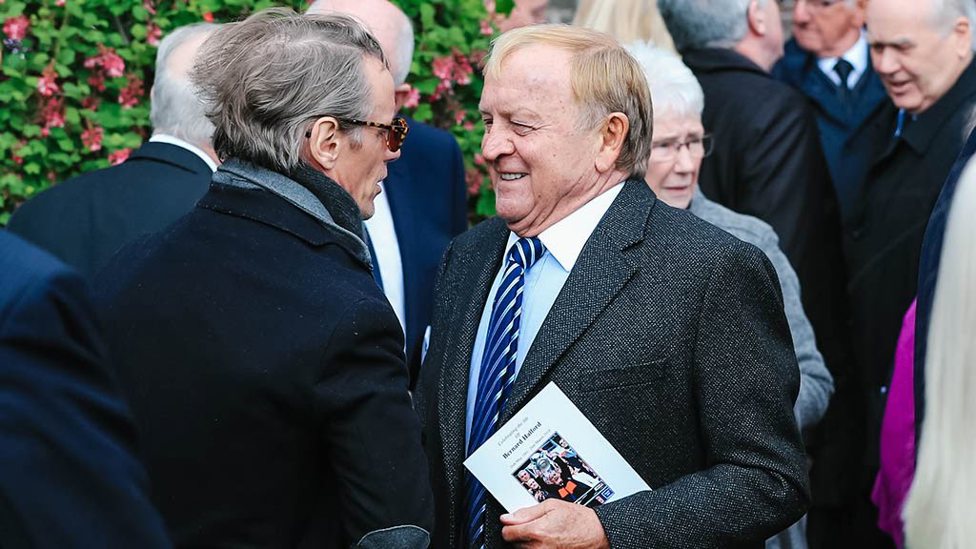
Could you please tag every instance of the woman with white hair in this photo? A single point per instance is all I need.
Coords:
(680, 143)
(939, 511)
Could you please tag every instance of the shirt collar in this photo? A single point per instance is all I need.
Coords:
(566, 238)
(166, 138)
(856, 55)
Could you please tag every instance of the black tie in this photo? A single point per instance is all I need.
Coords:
(843, 68)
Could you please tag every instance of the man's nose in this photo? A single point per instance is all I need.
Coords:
(801, 13)
(685, 162)
(495, 144)
(885, 61)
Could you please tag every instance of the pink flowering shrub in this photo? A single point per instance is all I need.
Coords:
(75, 78)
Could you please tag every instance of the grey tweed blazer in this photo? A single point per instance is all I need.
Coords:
(670, 336)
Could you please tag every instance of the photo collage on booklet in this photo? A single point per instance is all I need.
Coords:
(556, 470)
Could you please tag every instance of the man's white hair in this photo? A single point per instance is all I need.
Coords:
(674, 88)
(947, 12)
(175, 107)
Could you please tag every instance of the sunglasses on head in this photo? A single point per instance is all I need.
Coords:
(396, 131)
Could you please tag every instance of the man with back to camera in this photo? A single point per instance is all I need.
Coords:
(263, 363)
(667, 333)
(84, 220)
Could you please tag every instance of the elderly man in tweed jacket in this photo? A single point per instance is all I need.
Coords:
(666, 332)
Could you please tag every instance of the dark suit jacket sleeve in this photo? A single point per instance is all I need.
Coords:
(371, 432)
(747, 379)
(69, 476)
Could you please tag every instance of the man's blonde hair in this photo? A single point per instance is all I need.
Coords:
(604, 79)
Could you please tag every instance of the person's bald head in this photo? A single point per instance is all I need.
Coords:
(388, 24)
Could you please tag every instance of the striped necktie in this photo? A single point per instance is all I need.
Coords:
(497, 372)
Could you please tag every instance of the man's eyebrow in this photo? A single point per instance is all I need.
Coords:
(897, 42)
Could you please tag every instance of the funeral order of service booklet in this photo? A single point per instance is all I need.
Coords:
(550, 450)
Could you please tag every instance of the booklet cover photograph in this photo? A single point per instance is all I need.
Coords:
(556, 470)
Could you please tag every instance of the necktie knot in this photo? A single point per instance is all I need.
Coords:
(526, 252)
(843, 68)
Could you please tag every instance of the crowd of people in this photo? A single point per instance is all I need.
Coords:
(749, 261)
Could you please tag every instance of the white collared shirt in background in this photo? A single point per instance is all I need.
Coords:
(166, 138)
(857, 56)
(387, 247)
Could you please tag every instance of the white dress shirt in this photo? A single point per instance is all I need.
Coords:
(166, 138)
(857, 56)
(543, 281)
(387, 247)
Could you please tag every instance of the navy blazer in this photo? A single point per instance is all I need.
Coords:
(846, 146)
(86, 219)
(69, 476)
(428, 200)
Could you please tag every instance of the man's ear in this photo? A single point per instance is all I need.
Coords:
(324, 143)
(612, 138)
(756, 18)
(963, 33)
(400, 95)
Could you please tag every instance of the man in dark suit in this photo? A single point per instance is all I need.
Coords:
(84, 220)
(70, 477)
(263, 363)
(424, 200)
(667, 333)
(827, 60)
(925, 62)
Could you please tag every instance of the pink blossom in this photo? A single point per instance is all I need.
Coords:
(153, 34)
(14, 152)
(463, 71)
(459, 116)
(442, 87)
(443, 67)
(91, 102)
(119, 156)
(473, 178)
(59, 3)
(113, 64)
(16, 27)
(208, 17)
(108, 61)
(468, 125)
(486, 29)
(413, 98)
(47, 84)
(479, 159)
(97, 81)
(92, 138)
(129, 95)
(150, 6)
(52, 114)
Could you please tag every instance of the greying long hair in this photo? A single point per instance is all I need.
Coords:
(939, 508)
(175, 107)
(706, 23)
(268, 77)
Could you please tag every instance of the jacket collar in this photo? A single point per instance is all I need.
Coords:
(311, 206)
(713, 60)
(923, 128)
(173, 155)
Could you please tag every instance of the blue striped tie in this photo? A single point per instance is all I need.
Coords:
(497, 371)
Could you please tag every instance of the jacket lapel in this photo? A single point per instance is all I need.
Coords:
(479, 263)
(602, 270)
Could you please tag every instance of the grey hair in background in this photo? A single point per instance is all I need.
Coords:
(946, 12)
(400, 59)
(175, 107)
(674, 88)
(706, 23)
(267, 78)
